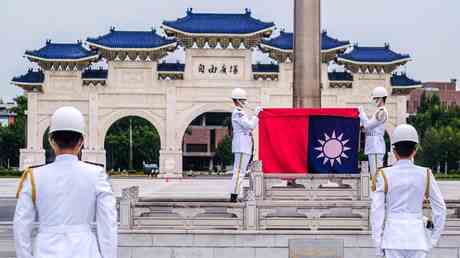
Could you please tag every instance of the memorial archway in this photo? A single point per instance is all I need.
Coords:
(131, 141)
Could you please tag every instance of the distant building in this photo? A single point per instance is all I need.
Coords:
(201, 139)
(447, 92)
(7, 118)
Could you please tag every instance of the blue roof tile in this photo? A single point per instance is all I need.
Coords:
(373, 55)
(285, 41)
(218, 23)
(94, 74)
(170, 67)
(329, 43)
(130, 39)
(265, 68)
(340, 76)
(64, 51)
(30, 77)
(401, 80)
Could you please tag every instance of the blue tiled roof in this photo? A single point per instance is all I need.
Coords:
(340, 76)
(171, 67)
(218, 23)
(265, 68)
(328, 43)
(69, 51)
(285, 41)
(131, 39)
(373, 55)
(30, 77)
(401, 80)
(95, 74)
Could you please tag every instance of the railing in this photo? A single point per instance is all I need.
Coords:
(319, 202)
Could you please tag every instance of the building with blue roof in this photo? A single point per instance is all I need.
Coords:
(380, 59)
(32, 80)
(281, 48)
(219, 55)
(146, 45)
(62, 56)
(218, 28)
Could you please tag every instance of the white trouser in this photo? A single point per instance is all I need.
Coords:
(393, 253)
(375, 162)
(240, 166)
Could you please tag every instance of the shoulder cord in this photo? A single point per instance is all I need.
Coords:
(27, 172)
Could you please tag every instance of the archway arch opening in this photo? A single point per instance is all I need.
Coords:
(131, 143)
(206, 143)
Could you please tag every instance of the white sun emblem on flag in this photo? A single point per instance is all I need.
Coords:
(332, 149)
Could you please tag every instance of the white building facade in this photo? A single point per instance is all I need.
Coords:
(218, 57)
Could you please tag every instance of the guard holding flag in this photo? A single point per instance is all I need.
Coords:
(66, 197)
(242, 142)
(399, 228)
(375, 130)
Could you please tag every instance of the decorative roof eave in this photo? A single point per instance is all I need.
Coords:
(88, 58)
(278, 54)
(169, 46)
(168, 30)
(337, 49)
(330, 54)
(171, 72)
(28, 86)
(289, 51)
(248, 40)
(395, 62)
(135, 55)
(407, 87)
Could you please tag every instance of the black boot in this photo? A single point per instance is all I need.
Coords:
(233, 197)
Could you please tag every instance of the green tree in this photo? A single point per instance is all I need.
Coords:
(146, 143)
(224, 151)
(439, 129)
(12, 138)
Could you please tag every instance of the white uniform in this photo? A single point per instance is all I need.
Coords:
(375, 143)
(396, 216)
(242, 145)
(69, 196)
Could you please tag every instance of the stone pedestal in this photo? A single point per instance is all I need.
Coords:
(94, 156)
(31, 158)
(170, 164)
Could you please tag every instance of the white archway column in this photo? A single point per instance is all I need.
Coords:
(170, 155)
(33, 154)
(92, 151)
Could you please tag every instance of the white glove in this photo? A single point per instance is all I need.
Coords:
(361, 109)
(258, 110)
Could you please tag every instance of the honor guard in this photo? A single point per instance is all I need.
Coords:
(242, 142)
(399, 228)
(375, 130)
(65, 197)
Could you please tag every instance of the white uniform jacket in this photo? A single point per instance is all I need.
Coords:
(242, 131)
(69, 196)
(397, 218)
(375, 130)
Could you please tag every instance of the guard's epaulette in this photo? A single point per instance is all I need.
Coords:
(94, 163)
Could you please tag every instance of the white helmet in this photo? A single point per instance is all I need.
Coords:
(239, 93)
(67, 119)
(379, 92)
(405, 133)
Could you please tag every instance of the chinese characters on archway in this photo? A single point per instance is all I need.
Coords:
(221, 69)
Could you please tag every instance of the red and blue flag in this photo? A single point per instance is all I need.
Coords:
(309, 140)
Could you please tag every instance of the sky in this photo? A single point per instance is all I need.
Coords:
(427, 30)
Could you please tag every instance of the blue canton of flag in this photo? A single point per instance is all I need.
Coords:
(333, 144)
